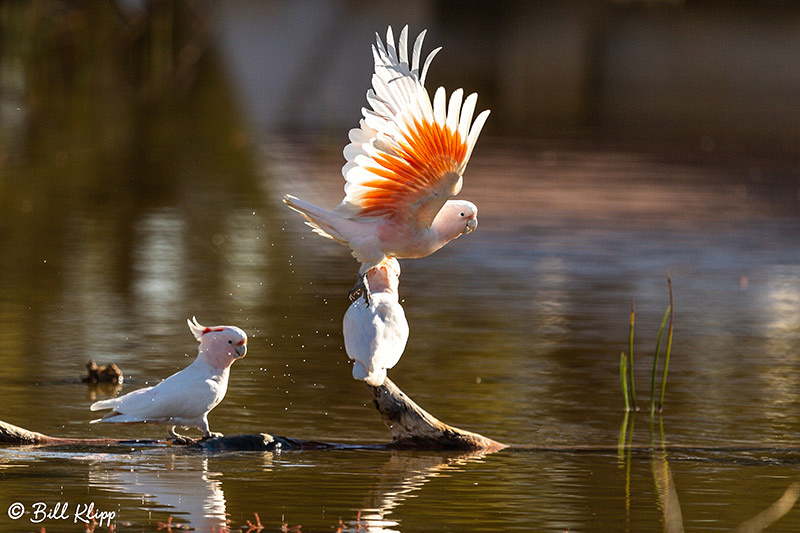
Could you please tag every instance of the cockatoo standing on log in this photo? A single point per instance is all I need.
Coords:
(404, 163)
(186, 397)
(375, 332)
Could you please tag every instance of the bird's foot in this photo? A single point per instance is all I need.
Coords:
(180, 439)
(360, 288)
(211, 435)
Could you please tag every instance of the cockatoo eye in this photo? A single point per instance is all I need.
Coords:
(462, 214)
(230, 341)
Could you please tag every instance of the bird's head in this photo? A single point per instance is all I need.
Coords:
(385, 277)
(220, 346)
(456, 218)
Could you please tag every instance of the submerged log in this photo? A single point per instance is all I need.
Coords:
(11, 434)
(411, 427)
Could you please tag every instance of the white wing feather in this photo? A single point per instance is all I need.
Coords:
(375, 336)
(400, 120)
(190, 393)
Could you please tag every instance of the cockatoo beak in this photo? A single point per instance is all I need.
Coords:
(471, 225)
(241, 351)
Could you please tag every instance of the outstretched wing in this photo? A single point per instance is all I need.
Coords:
(409, 154)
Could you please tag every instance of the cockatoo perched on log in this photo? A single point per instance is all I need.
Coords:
(375, 332)
(186, 397)
(404, 163)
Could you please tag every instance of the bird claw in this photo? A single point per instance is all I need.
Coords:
(179, 439)
(182, 440)
(212, 435)
(360, 288)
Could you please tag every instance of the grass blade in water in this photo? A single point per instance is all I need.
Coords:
(669, 345)
(655, 361)
(623, 364)
(631, 387)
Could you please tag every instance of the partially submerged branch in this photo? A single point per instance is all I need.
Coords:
(413, 427)
(11, 434)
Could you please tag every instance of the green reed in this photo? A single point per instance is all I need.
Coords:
(655, 363)
(623, 369)
(669, 346)
(626, 360)
(631, 387)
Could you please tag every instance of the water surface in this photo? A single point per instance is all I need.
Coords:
(516, 332)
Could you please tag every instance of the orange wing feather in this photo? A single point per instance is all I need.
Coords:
(429, 154)
(407, 157)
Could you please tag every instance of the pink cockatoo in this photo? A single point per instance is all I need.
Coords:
(186, 397)
(376, 331)
(404, 163)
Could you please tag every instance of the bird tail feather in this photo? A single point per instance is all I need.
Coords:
(374, 378)
(118, 418)
(103, 404)
(321, 220)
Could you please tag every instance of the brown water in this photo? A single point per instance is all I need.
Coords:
(516, 334)
(121, 216)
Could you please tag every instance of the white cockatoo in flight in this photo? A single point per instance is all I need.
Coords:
(376, 332)
(186, 397)
(404, 163)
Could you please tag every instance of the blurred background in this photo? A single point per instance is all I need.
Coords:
(667, 69)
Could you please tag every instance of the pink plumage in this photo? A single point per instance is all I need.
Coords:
(404, 163)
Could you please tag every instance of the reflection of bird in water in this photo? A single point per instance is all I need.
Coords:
(404, 163)
(375, 333)
(175, 484)
(400, 478)
(186, 397)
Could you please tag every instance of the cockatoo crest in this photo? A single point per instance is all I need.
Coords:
(199, 330)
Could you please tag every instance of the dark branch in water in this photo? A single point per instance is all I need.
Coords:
(411, 427)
